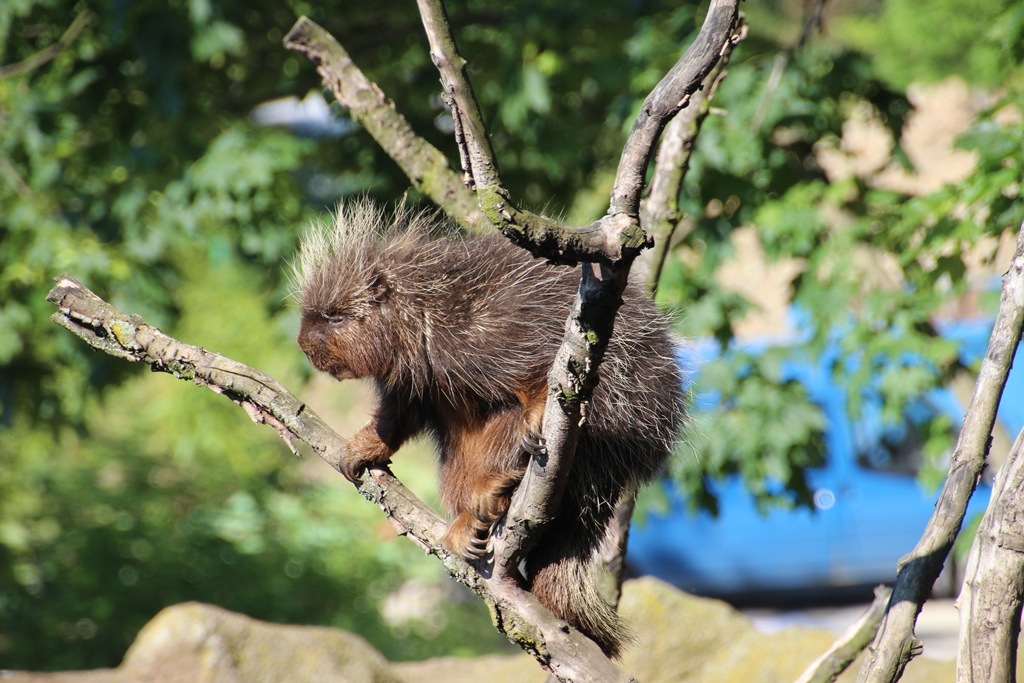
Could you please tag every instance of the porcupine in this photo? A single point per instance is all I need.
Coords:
(458, 335)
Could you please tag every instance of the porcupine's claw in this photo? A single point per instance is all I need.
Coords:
(478, 545)
(477, 549)
(534, 443)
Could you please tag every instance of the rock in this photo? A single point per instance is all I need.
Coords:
(491, 668)
(196, 642)
(680, 639)
(683, 638)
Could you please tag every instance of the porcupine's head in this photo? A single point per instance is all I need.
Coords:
(344, 280)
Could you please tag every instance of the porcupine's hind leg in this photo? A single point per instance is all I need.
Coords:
(479, 477)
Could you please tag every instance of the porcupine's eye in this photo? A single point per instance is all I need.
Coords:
(335, 317)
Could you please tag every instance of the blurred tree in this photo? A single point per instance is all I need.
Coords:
(127, 158)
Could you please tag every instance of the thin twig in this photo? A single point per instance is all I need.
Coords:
(835, 660)
(896, 644)
(47, 55)
(815, 22)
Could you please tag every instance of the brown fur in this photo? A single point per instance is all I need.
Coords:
(459, 336)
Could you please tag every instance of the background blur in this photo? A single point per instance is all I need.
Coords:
(866, 176)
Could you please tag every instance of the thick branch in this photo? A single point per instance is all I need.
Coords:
(833, 662)
(560, 650)
(426, 167)
(990, 602)
(571, 381)
(668, 97)
(896, 644)
(659, 213)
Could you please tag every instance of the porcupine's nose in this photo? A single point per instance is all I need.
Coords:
(310, 338)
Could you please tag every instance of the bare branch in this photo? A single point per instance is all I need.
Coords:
(896, 643)
(427, 168)
(990, 602)
(475, 144)
(668, 97)
(611, 555)
(659, 213)
(833, 662)
(561, 650)
(541, 236)
(615, 237)
(49, 53)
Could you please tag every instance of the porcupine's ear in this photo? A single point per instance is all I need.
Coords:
(378, 288)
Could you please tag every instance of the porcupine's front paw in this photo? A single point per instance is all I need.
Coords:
(364, 450)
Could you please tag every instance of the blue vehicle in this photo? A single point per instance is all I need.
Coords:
(869, 511)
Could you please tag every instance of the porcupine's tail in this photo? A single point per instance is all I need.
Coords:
(561, 572)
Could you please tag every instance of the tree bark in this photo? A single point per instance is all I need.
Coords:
(426, 167)
(991, 599)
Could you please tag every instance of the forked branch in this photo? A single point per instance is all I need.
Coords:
(618, 236)
(896, 644)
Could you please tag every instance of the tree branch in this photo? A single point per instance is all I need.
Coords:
(618, 236)
(660, 213)
(896, 644)
(427, 168)
(541, 236)
(474, 143)
(670, 95)
(833, 662)
(990, 602)
(564, 652)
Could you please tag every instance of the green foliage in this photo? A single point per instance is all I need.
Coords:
(758, 164)
(128, 161)
(909, 45)
(766, 429)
